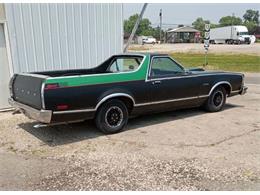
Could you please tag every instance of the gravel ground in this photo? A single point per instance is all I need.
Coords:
(198, 48)
(181, 150)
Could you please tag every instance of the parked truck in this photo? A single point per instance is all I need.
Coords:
(123, 85)
(231, 35)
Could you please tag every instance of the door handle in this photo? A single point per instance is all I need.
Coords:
(156, 82)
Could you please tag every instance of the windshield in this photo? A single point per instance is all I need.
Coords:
(243, 33)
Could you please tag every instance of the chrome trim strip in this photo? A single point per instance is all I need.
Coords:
(42, 96)
(74, 111)
(34, 75)
(219, 83)
(190, 76)
(99, 103)
(172, 100)
(114, 73)
(236, 91)
(114, 95)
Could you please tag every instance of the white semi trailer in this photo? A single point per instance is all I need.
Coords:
(231, 35)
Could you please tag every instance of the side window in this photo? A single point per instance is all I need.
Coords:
(164, 66)
(124, 64)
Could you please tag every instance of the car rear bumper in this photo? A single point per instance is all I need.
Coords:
(43, 116)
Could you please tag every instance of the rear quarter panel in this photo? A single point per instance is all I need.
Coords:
(86, 91)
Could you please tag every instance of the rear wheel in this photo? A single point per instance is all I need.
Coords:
(112, 116)
(216, 100)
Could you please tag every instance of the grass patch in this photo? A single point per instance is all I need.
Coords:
(232, 62)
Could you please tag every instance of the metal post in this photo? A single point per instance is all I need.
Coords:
(135, 27)
(160, 25)
(206, 57)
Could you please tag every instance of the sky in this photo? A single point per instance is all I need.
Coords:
(177, 13)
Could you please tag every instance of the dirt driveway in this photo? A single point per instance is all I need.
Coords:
(181, 150)
(198, 48)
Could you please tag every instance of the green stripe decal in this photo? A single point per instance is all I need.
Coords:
(140, 74)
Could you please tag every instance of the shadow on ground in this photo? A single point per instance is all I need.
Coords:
(64, 134)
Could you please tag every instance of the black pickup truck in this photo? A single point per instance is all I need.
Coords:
(123, 85)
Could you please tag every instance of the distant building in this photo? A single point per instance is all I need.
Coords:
(185, 34)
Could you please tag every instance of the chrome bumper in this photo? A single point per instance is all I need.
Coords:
(243, 91)
(43, 116)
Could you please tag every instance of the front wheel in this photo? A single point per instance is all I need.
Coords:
(112, 117)
(216, 100)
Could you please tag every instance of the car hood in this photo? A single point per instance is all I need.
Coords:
(200, 71)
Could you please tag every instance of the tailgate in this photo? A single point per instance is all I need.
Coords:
(26, 89)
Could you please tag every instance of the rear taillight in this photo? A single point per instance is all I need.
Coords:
(62, 107)
(51, 86)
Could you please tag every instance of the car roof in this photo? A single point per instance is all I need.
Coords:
(151, 54)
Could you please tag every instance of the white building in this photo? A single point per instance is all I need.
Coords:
(36, 37)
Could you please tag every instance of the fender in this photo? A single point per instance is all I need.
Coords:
(218, 84)
(112, 96)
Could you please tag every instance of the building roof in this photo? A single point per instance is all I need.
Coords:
(184, 29)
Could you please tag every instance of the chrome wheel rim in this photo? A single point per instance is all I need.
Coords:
(114, 117)
(218, 98)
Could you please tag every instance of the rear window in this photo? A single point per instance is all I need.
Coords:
(125, 64)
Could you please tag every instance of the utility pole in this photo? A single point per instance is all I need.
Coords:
(135, 27)
(160, 14)
(233, 15)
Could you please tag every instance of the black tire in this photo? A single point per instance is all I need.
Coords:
(112, 117)
(216, 100)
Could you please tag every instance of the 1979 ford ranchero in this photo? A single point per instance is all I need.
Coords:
(123, 85)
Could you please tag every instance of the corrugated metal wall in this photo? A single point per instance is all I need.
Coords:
(63, 36)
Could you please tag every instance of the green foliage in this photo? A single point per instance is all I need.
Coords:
(251, 16)
(251, 26)
(144, 28)
(229, 20)
(199, 24)
(156, 33)
(130, 23)
(250, 20)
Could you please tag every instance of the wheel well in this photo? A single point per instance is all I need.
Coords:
(226, 87)
(127, 101)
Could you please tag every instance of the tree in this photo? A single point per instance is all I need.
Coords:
(199, 24)
(251, 20)
(230, 20)
(251, 26)
(144, 27)
(251, 16)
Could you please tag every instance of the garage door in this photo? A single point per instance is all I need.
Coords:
(4, 71)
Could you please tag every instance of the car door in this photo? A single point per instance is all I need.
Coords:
(168, 82)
